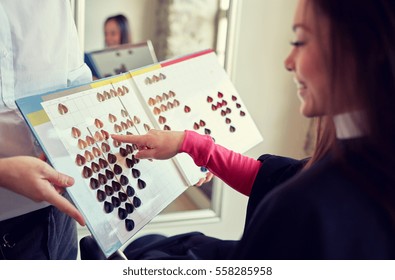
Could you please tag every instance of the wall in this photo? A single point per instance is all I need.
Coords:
(260, 76)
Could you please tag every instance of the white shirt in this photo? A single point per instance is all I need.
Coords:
(349, 125)
(39, 52)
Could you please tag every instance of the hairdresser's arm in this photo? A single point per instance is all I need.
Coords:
(234, 169)
(35, 179)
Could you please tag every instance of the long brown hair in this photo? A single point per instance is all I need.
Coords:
(325, 139)
(363, 32)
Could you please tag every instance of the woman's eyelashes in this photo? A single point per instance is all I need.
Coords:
(297, 43)
(298, 39)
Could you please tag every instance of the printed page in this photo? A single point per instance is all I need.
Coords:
(195, 93)
(117, 192)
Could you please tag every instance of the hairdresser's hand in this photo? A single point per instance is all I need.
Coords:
(35, 179)
(156, 144)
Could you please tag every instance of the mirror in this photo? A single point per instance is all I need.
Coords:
(175, 28)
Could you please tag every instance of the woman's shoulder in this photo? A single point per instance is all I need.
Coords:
(277, 169)
(319, 213)
(325, 180)
(326, 189)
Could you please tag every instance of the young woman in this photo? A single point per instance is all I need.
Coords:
(340, 203)
(116, 31)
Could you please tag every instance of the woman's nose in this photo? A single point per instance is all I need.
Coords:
(288, 63)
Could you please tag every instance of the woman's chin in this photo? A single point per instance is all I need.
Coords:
(306, 112)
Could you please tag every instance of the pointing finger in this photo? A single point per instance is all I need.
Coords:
(135, 139)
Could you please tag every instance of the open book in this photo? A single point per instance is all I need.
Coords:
(117, 193)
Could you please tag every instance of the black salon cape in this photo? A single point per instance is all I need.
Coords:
(320, 213)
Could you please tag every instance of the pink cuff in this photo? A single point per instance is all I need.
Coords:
(234, 169)
(198, 146)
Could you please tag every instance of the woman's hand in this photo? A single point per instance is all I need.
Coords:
(156, 144)
(159, 144)
(35, 179)
(209, 176)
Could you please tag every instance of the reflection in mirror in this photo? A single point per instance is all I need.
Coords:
(175, 28)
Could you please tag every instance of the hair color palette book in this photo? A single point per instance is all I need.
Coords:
(117, 193)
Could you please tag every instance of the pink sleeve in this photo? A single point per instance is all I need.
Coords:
(234, 169)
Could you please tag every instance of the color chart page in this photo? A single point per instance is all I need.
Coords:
(195, 93)
(117, 192)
